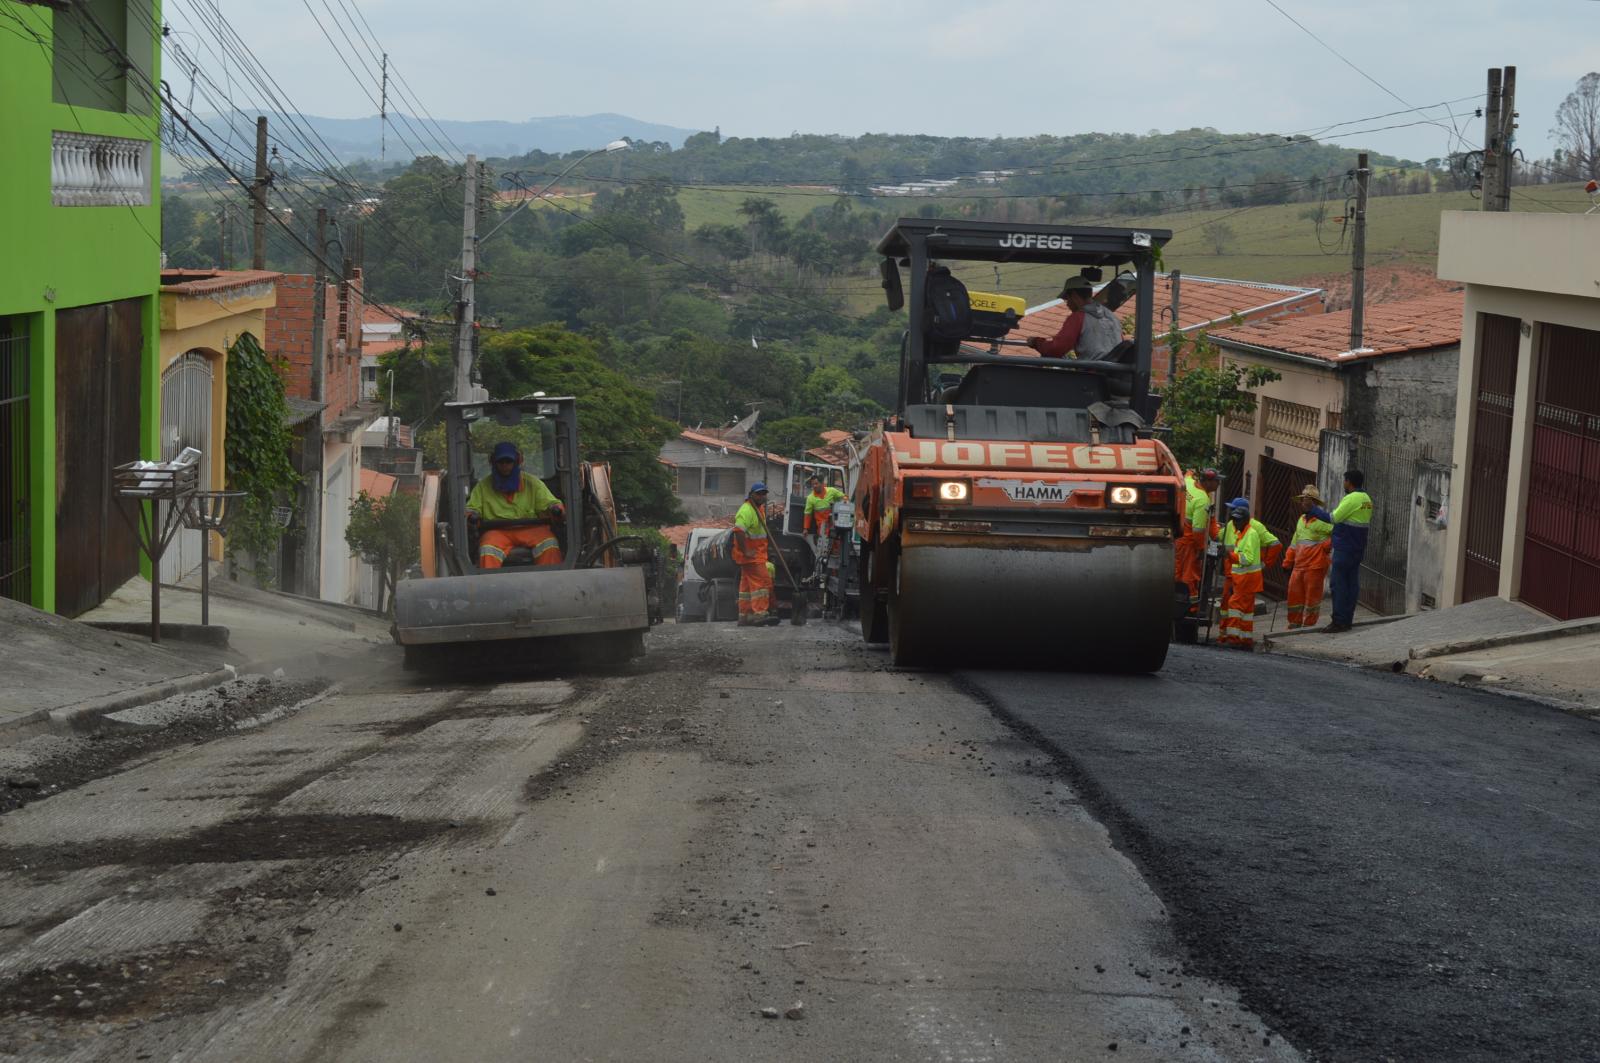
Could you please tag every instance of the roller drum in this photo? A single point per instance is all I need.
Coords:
(1107, 608)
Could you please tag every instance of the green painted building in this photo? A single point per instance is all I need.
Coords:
(80, 226)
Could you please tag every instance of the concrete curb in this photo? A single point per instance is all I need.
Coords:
(1372, 622)
(1586, 626)
(83, 715)
(202, 634)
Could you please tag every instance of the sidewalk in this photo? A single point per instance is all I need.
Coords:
(1489, 643)
(64, 673)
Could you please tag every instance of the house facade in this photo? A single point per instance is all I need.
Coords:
(711, 475)
(1387, 408)
(79, 353)
(1527, 424)
(203, 313)
(329, 415)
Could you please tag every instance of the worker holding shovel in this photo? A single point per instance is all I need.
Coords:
(750, 554)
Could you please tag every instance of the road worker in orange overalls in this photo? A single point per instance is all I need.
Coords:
(1245, 546)
(1189, 553)
(1310, 554)
(1271, 545)
(750, 554)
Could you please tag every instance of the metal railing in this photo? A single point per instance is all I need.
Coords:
(87, 170)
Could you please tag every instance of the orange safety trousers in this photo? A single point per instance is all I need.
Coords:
(755, 590)
(495, 544)
(1306, 583)
(1188, 560)
(1238, 627)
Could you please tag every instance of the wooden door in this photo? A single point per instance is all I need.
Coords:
(98, 352)
(1491, 454)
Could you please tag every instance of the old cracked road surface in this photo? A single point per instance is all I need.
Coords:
(636, 865)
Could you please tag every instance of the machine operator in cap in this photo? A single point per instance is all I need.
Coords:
(750, 554)
(1090, 328)
(506, 494)
(1189, 554)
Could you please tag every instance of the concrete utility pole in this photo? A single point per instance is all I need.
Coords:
(222, 236)
(1174, 279)
(1358, 256)
(258, 197)
(319, 307)
(466, 348)
(1499, 125)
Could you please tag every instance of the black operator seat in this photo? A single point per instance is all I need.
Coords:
(1030, 385)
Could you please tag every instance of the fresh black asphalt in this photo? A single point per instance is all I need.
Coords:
(1386, 868)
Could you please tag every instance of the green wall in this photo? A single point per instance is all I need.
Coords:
(61, 257)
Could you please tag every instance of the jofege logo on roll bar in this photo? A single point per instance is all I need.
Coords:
(1048, 241)
(1066, 457)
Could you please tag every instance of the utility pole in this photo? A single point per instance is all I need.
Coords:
(258, 196)
(319, 306)
(465, 308)
(222, 236)
(383, 111)
(1358, 256)
(1499, 124)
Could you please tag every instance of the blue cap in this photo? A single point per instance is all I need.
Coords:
(1240, 503)
(504, 450)
(757, 486)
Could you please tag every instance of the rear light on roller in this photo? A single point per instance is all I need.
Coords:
(943, 492)
(922, 489)
(1157, 496)
(1124, 495)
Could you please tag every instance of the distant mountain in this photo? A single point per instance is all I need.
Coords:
(359, 138)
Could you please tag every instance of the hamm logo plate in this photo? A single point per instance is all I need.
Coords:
(1037, 492)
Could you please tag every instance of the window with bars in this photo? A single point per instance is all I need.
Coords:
(1293, 423)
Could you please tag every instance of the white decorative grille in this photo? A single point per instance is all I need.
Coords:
(94, 171)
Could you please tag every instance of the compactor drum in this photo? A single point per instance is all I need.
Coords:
(595, 605)
(1018, 509)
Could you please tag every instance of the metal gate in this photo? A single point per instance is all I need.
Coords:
(186, 422)
(1276, 489)
(1561, 551)
(1232, 476)
(16, 543)
(98, 352)
(1491, 454)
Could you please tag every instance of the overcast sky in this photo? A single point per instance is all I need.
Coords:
(949, 67)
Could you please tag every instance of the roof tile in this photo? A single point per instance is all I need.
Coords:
(1409, 325)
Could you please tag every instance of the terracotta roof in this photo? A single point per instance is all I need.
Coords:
(833, 450)
(212, 281)
(377, 315)
(678, 534)
(377, 484)
(709, 439)
(1430, 322)
(1202, 301)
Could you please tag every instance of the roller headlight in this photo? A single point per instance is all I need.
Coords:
(954, 491)
(1124, 495)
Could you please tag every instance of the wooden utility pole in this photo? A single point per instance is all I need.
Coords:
(258, 196)
(465, 307)
(1358, 256)
(319, 306)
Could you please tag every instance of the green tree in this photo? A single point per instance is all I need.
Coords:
(1219, 234)
(792, 436)
(258, 451)
(1203, 392)
(386, 533)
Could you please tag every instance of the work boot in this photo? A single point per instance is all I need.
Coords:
(1336, 629)
(748, 621)
(768, 620)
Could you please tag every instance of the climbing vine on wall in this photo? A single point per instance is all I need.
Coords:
(258, 450)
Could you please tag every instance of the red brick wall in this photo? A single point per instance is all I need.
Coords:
(289, 339)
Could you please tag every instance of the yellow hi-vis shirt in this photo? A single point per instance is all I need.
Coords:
(1246, 547)
(753, 550)
(1197, 508)
(822, 504)
(1265, 537)
(533, 499)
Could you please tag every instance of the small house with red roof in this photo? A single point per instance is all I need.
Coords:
(1385, 406)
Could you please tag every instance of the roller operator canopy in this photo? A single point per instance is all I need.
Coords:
(998, 241)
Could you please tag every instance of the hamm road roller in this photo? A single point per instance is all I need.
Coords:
(588, 597)
(1015, 508)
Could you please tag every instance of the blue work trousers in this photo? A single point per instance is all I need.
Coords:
(1345, 582)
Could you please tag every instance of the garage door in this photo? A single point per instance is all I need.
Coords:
(1279, 483)
(1561, 552)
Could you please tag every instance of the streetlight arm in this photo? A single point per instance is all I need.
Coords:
(615, 145)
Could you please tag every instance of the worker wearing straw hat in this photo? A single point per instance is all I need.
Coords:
(1310, 553)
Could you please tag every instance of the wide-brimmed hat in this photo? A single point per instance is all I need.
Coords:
(1312, 493)
(1076, 284)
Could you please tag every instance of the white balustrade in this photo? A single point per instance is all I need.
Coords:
(94, 171)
